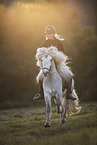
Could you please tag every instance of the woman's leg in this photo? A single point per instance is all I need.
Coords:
(39, 95)
(70, 87)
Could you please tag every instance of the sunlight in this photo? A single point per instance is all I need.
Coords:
(27, 21)
(30, 6)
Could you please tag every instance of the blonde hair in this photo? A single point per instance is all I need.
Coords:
(57, 37)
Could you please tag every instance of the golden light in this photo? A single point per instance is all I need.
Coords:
(24, 23)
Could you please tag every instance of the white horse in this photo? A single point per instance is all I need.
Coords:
(53, 69)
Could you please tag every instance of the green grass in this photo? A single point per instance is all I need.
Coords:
(25, 127)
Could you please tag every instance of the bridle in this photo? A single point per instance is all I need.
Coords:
(46, 68)
(49, 69)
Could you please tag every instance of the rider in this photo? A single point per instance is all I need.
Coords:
(53, 39)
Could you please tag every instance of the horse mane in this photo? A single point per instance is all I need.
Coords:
(59, 58)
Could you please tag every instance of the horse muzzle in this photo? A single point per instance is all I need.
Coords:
(45, 72)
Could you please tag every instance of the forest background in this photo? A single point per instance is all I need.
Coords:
(22, 26)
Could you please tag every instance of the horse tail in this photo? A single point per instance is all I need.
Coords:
(74, 107)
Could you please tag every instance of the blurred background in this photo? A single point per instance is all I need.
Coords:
(22, 25)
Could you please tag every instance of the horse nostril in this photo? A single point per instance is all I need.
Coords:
(45, 72)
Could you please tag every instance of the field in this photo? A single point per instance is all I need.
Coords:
(25, 127)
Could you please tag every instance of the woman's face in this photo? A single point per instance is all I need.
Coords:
(50, 36)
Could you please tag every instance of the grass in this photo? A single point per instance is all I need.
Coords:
(25, 127)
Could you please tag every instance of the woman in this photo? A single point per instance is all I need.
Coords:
(53, 39)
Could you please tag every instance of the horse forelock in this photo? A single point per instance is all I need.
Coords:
(58, 56)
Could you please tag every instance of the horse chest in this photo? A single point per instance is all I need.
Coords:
(52, 82)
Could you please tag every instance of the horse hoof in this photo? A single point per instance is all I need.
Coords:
(46, 125)
(63, 122)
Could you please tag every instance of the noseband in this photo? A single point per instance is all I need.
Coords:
(46, 68)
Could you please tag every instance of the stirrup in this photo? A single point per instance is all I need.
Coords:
(37, 97)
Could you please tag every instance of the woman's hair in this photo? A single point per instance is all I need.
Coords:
(57, 37)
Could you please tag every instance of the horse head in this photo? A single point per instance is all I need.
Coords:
(46, 64)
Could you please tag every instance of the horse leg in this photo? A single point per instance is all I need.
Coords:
(48, 110)
(59, 106)
(63, 115)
